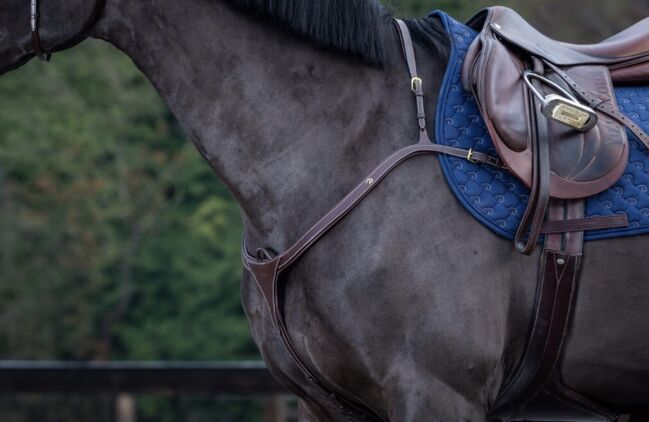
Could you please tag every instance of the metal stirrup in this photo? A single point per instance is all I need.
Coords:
(564, 109)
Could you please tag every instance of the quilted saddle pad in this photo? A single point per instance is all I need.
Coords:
(498, 199)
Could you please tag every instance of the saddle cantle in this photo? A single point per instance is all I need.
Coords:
(550, 107)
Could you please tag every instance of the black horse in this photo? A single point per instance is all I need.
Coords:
(408, 305)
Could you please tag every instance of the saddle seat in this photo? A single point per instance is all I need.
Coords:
(626, 54)
(632, 41)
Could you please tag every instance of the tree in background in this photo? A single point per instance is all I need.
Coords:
(116, 239)
(561, 19)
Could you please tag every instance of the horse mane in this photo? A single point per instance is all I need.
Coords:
(349, 26)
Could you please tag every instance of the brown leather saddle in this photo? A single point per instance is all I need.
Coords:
(550, 107)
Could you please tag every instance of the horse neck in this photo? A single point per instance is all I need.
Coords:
(288, 127)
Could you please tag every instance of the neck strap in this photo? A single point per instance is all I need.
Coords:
(416, 83)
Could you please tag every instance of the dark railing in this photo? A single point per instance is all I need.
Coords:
(126, 379)
(218, 378)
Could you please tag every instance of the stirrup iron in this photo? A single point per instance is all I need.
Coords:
(565, 109)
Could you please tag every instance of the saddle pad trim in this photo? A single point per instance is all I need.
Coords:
(495, 197)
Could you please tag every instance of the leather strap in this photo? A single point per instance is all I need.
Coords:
(585, 224)
(38, 50)
(37, 46)
(358, 193)
(266, 272)
(416, 84)
(529, 230)
(536, 388)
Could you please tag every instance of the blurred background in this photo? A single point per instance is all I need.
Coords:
(116, 240)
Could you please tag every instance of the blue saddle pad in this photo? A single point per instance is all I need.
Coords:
(498, 199)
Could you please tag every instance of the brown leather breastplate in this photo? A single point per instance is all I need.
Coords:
(266, 269)
(534, 383)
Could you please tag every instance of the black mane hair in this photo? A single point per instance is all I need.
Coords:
(430, 31)
(350, 26)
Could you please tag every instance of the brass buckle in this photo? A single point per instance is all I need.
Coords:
(415, 83)
(469, 156)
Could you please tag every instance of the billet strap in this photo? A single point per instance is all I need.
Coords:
(598, 104)
(267, 269)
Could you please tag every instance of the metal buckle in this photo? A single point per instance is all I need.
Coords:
(494, 161)
(484, 159)
(563, 109)
(469, 156)
(415, 83)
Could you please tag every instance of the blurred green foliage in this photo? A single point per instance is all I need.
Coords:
(116, 239)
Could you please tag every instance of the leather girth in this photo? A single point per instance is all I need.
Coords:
(535, 390)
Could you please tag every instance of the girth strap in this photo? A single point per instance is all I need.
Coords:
(535, 387)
